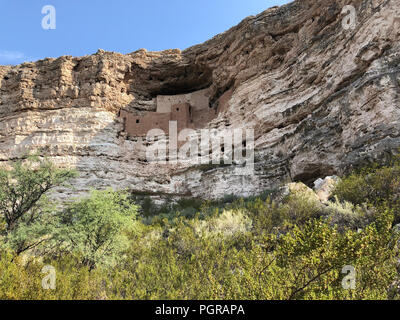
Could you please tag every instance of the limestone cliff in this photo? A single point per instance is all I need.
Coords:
(321, 99)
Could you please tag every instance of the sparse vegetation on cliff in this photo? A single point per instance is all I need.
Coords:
(256, 248)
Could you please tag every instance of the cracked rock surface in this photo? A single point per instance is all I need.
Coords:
(321, 99)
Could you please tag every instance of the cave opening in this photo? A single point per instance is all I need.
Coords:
(170, 79)
(313, 173)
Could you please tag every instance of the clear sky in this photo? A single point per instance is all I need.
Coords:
(84, 26)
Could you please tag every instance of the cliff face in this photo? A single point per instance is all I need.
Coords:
(320, 98)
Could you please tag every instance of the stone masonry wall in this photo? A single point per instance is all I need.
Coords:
(191, 111)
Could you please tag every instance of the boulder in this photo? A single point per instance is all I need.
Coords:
(323, 188)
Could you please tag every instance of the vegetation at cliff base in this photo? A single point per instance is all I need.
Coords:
(109, 245)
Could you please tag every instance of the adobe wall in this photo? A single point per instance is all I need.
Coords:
(181, 114)
(190, 110)
(202, 113)
(136, 126)
(199, 100)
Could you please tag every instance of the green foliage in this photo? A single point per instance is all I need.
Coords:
(254, 248)
(346, 215)
(95, 227)
(148, 207)
(26, 213)
(375, 185)
(312, 257)
(186, 207)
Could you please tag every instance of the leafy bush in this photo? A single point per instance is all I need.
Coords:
(346, 215)
(375, 185)
(183, 207)
(95, 227)
(253, 248)
(26, 213)
(228, 224)
(311, 259)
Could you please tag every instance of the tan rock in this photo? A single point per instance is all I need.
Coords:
(321, 100)
(324, 187)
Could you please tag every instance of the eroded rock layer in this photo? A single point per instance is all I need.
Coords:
(321, 98)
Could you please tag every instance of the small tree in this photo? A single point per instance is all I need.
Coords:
(95, 227)
(25, 211)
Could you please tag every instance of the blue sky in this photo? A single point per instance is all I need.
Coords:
(84, 26)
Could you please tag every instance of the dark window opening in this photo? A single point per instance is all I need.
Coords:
(191, 114)
(177, 109)
(137, 120)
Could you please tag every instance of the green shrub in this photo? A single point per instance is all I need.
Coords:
(377, 186)
(346, 215)
(95, 227)
(26, 214)
(311, 259)
(252, 248)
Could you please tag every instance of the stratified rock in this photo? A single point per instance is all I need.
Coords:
(321, 99)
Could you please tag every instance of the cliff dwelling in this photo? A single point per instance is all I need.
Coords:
(191, 111)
